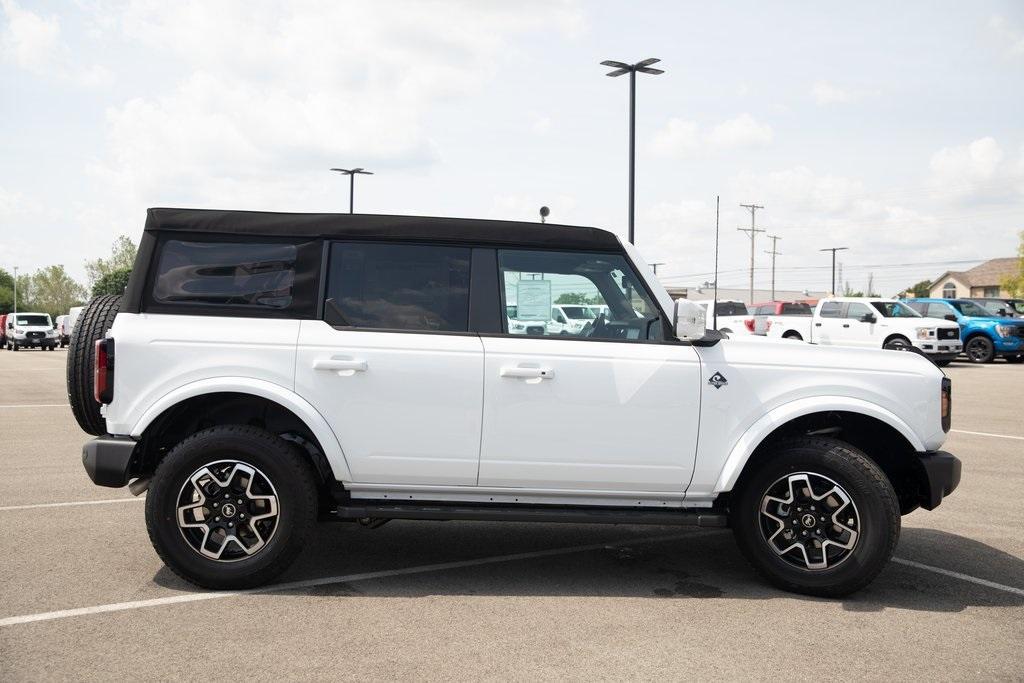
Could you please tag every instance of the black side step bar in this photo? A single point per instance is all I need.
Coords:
(574, 515)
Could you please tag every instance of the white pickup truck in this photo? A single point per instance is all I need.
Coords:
(732, 316)
(874, 323)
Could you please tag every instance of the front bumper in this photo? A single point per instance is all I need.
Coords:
(939, 475)
(943, 348)
(108, 459)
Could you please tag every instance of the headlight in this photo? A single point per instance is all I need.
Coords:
(518, 326)
(1004, 330)
(925, 332)
(51, 333)
(18, 334)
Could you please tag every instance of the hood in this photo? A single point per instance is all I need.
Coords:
(997, 319)
(787, 352)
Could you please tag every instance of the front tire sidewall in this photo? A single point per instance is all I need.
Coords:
(297, 512)
(983, 350)
(872, 495)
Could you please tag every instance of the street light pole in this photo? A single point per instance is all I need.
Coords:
(15, 290)
(351, 173)
(834, 250)
(632, 69)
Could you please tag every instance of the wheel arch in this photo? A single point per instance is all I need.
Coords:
(883, 436)
(896, 335)
(242, 401)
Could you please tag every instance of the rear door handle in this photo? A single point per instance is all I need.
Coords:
(817, 324)
(345, 367)
(846, 324)
(535, 374)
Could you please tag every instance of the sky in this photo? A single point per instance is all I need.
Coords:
(893, 129)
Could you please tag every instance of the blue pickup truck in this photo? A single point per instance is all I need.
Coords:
(984, 335)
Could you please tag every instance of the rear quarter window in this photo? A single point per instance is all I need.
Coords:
(229, 277)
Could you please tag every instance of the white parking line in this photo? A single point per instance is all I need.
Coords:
(39, 405)
(313, 583)
(105, 501)
(962, 577)
(998, 436)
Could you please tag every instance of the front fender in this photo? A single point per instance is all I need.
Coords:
(768, 423)
(316, 423)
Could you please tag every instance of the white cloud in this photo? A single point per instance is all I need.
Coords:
(825, 93)
(272, 91)
(681, 138)
(1011, 37)
(977, 171)
(677, 139)
(541, 123)
(742, 131)
(34, 43)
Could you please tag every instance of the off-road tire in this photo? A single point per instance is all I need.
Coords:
(93, 324)
(876, 504)
(284, 466)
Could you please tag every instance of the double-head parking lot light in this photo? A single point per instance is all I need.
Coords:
(351, 173)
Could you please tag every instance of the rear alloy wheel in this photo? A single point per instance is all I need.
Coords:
(816, 516)
(980, 349)
(231, 507)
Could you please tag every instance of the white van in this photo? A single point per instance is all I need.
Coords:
(30, 330)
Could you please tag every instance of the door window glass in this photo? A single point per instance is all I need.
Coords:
(600, 294)
(938, 311)
(398, 287)
(831, 309)
(857, 311)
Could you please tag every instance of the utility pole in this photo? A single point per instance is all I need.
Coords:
(774, 252)
(753, 230)
(15, 290)
(834, 250)
(655, 266)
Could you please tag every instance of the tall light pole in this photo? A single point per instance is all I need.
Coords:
(352, 173)
(15, 290)
(834, 250)
(631, 69)
(753, 235)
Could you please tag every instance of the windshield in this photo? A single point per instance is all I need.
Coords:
(730, 308)
(970, 308)
(1018, 305)
(578, 312)
(895, 309)
(33, 321)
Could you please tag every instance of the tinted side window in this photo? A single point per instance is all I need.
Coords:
(226, 274)
(938, 311)
(831, 309)
(399, 287)
(919, 307)
(857, 311)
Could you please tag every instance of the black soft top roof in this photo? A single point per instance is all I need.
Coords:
(374, 226)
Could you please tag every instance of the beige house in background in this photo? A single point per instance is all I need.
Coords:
(980, 281)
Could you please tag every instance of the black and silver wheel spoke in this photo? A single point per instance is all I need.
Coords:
(227, 510)
(809, 520)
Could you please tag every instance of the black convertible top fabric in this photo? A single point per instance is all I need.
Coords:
(373, 226)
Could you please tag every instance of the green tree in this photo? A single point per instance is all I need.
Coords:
(122, 256)
(6, 292)
(113, 282)
(578, 299)
(53, 291)
(920, 289)
(1014, 284)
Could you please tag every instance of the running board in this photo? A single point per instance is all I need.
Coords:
(573, 515)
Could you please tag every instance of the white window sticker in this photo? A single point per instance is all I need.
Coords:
(534, 299)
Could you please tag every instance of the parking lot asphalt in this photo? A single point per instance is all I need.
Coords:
(84, 596)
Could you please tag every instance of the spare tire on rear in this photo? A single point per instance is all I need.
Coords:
(92, 324)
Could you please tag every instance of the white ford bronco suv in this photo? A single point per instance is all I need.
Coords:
(264, 371)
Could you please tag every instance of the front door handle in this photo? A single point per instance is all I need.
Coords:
(817, 324)
(345, 367)
(531, 375)
(846, 324)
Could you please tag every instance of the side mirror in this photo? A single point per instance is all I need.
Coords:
(868, 318)
(689, 320)
(950, 316)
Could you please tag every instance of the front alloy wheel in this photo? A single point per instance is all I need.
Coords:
(809, 521)
(980, 349)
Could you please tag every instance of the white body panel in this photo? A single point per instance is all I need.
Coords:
(409, 411)
(602, 416)
(779, 326)
(519, 419)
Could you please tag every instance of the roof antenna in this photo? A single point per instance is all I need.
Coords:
(714, 299)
